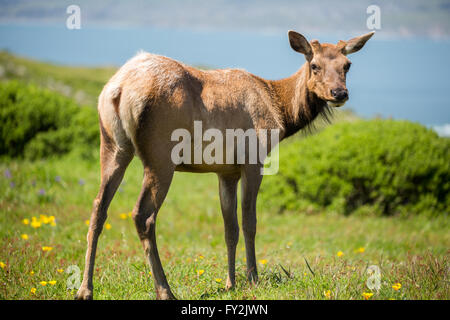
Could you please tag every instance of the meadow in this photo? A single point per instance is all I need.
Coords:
(318, 256)
(45, 208)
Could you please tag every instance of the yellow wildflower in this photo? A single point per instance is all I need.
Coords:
(86, 222)
(31, 272)
(201, 257)
(60, 270)
(327, 294)
(367, 295)
(218, 280)
(107, 226)
(340, 254)
(360, 250)
(44, 219)
(35, 223)
(26, 221)
(33, 290)
(2, 265)
(200, 272)
(43, 283)
(263, 261)
(396, 286)
(52, 282)
(45, 248)
(123, 216)
(24, 236)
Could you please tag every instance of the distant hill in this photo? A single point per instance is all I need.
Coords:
(398, 17)
(81, 84)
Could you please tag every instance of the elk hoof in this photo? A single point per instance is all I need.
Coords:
(252, 277)
(164, 294)
(84, 294)
(229, 285)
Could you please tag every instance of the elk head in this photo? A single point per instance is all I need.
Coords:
(327, 65)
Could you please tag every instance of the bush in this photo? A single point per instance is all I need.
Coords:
(380, 166)
(39, 123)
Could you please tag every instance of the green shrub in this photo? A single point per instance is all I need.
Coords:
(38, 123)
(48, 143)
(380, 166)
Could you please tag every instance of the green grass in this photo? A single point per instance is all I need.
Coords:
(413, 251)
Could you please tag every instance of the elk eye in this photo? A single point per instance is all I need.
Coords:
(347, 67)
(314, 67)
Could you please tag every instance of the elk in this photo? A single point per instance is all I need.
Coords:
(150, 96)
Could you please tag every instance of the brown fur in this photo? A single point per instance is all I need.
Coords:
(151, 96)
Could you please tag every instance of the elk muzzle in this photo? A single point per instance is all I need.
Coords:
(339, 94)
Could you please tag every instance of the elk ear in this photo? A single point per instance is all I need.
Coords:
(355, 44)
(300, 44)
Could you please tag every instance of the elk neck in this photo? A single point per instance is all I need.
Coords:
(297, 106)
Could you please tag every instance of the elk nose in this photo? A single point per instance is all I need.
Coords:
(339, 94)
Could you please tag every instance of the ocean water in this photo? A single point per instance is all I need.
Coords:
(402, 79)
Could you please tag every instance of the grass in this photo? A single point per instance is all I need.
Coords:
(297, 253)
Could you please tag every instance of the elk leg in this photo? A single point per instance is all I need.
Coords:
(228, 203)
(251, 180)
(154, 189)
(114, 162)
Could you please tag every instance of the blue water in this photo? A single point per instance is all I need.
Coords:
(403, 79)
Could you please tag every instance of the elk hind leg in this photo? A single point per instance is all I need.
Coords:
(114, 161)
(155, 186)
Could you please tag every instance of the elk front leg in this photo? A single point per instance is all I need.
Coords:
(251, 180)
(228, 203)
